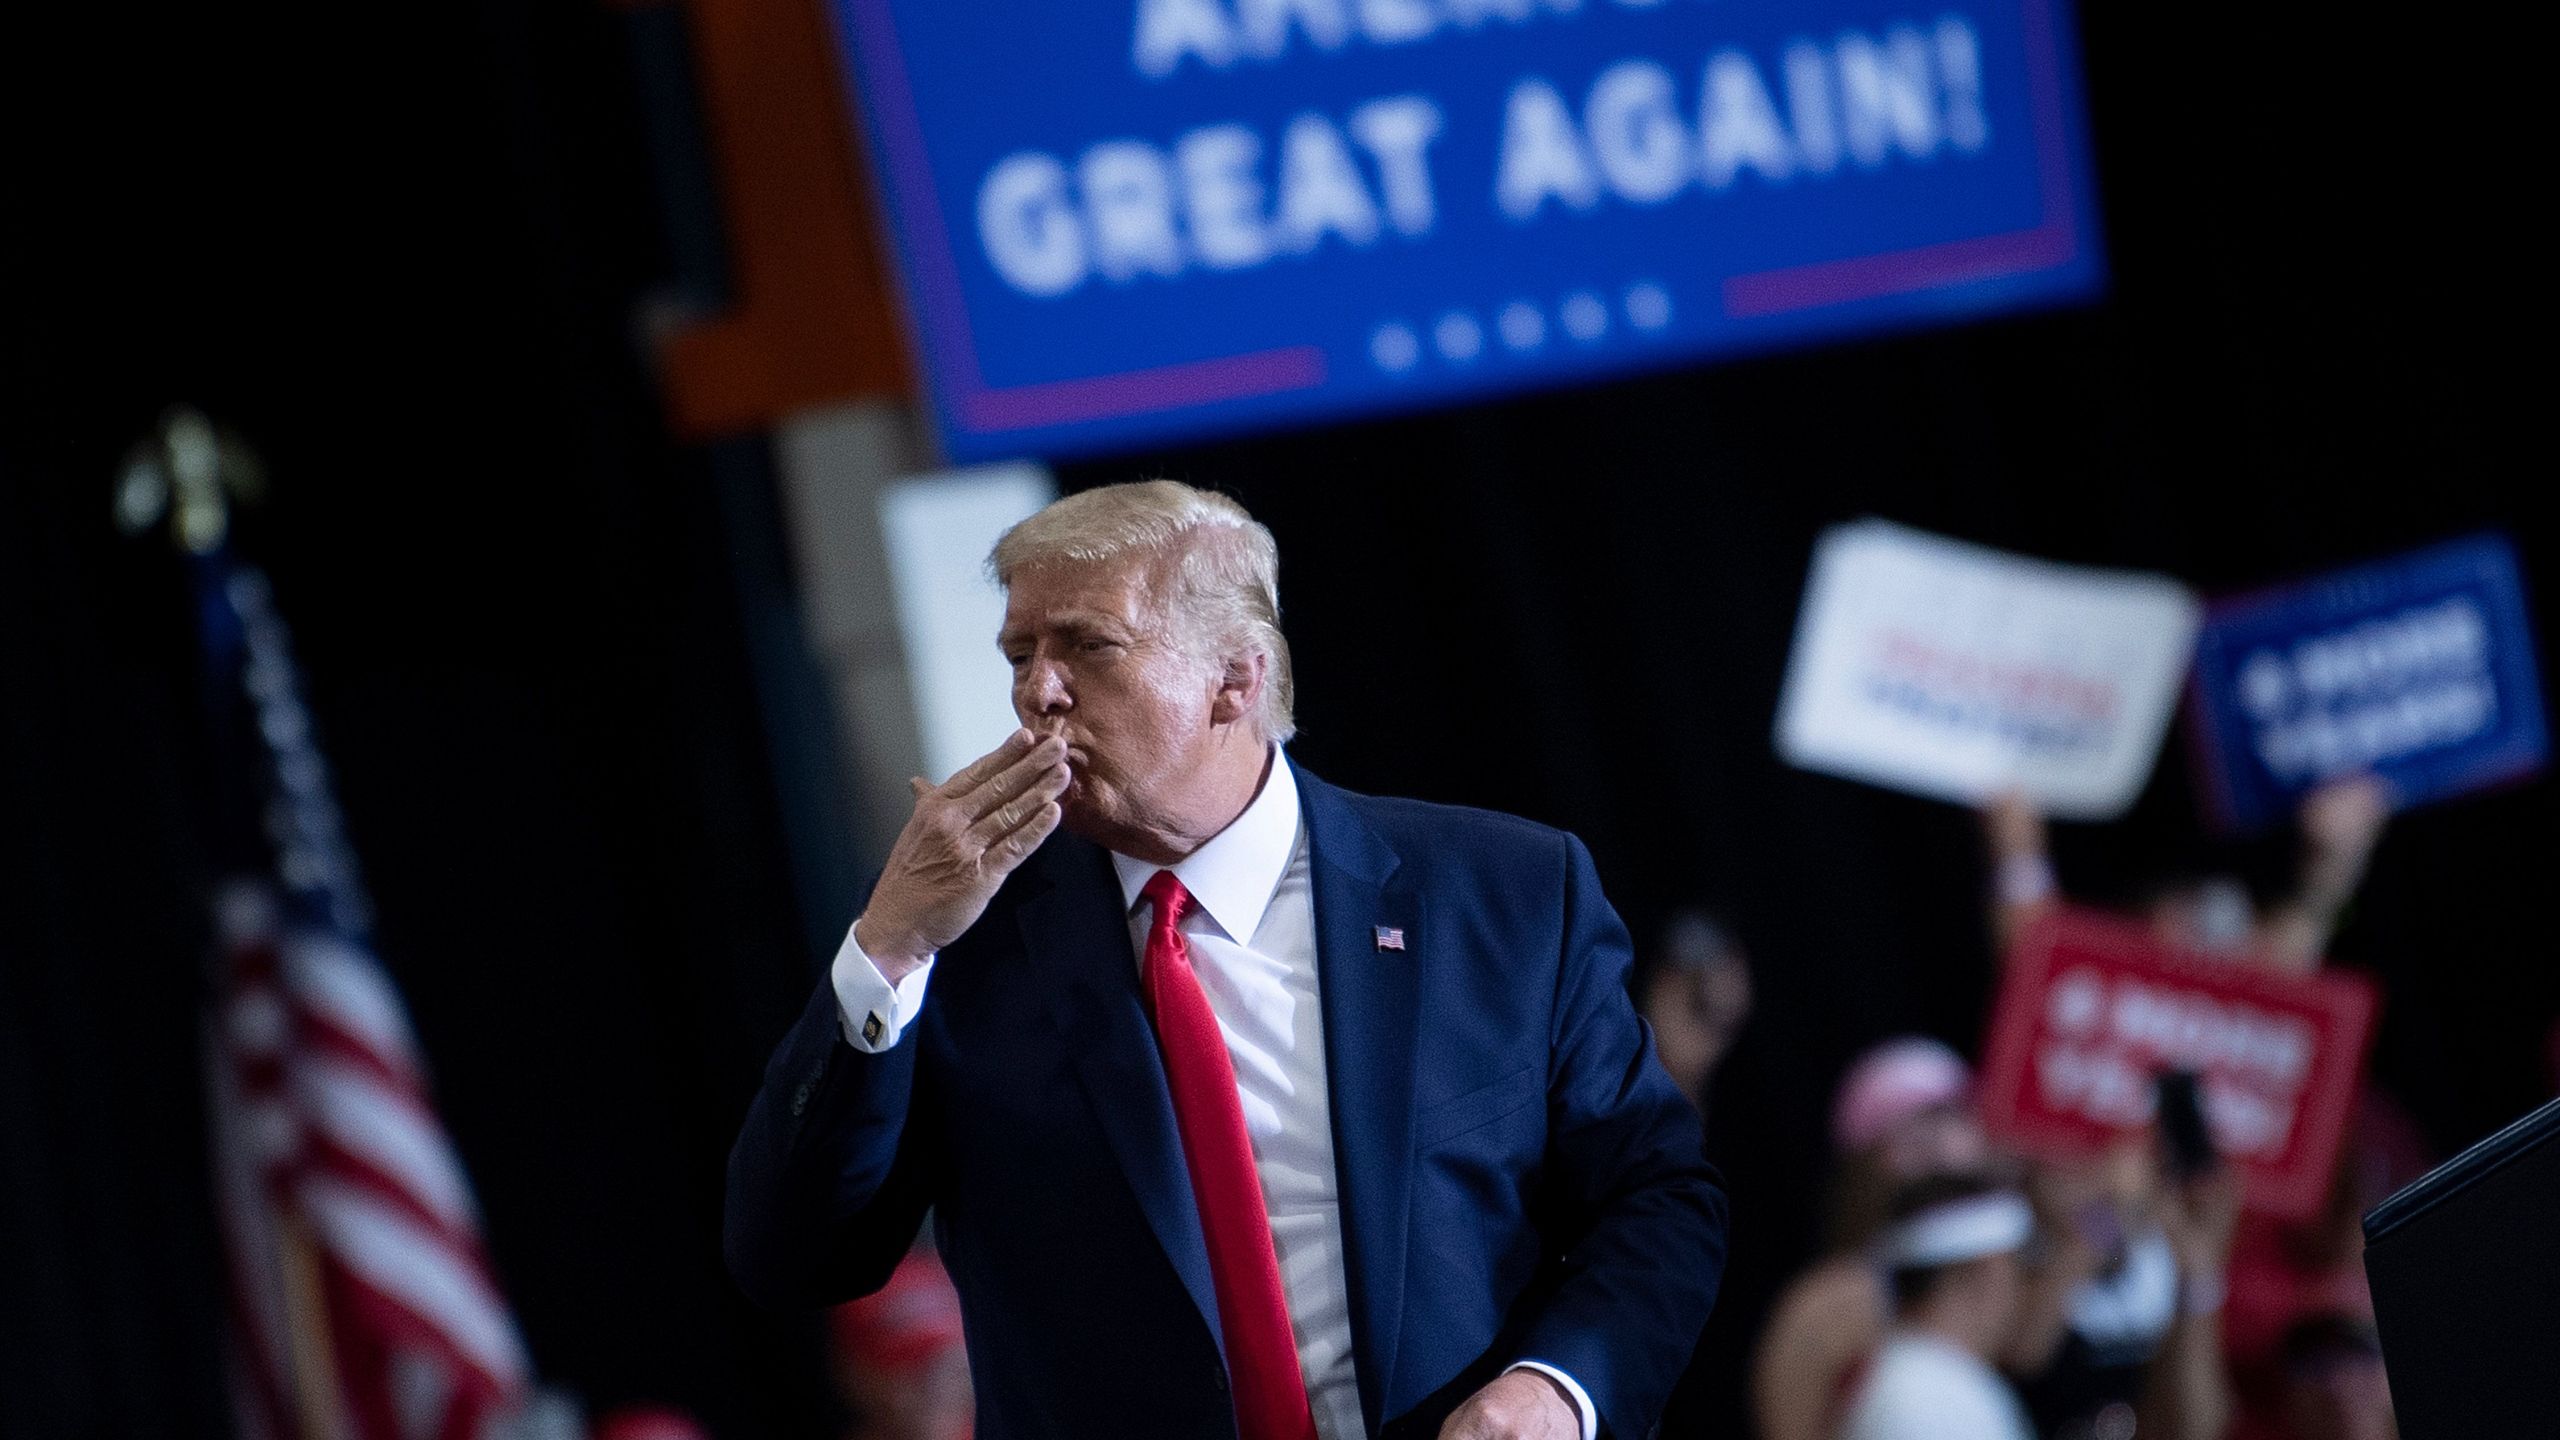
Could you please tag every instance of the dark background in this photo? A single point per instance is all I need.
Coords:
(404, 254)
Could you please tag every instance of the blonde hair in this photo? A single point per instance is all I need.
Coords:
(1225, 596)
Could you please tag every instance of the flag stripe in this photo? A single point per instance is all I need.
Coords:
(417, 1268)
(341, 983)
(388, 1131)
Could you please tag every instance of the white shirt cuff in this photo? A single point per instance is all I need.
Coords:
(1581, 1402)
(872, 1012)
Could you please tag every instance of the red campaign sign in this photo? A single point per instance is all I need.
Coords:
(2094, 1008)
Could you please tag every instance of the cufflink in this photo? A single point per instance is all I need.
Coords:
(871, 1028)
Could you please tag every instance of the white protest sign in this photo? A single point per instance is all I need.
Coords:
(1955, 671)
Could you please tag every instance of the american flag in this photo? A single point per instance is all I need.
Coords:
(363, 1306)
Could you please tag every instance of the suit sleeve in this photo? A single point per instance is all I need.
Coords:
(830, 1176)
(1640, 1233)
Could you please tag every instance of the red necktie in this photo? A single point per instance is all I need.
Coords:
(1262, 1356)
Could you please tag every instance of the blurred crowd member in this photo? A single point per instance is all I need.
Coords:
(649, 1422)
(1695, 995)
(2114, 1318)
(2120, 1333)
(2187, 1392)
(2286, 1274)
(899, 1358)
(2333, 1382)
(2276, 1273)
(2341, 822)
(2101, 1295)
(1903, 1114)
(1952, 1258)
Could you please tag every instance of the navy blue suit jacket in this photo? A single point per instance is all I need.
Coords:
(1518, 1178)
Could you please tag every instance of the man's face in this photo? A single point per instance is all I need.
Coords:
(1096, 659)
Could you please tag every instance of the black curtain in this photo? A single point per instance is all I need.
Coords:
(403, 253)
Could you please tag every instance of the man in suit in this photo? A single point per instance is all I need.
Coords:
(1244, 1105)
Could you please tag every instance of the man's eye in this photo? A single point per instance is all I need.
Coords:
(1096, 647)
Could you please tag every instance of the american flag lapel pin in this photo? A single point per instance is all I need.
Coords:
(1390, 937)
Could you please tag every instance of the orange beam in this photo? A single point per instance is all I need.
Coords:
(813, 321)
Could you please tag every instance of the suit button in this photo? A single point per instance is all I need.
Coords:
(799, 1100)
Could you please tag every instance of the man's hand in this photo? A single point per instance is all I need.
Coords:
(965, 836)
(1518, 1405)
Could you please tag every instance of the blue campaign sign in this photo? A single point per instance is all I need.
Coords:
(2419, 670)
(1127, 220)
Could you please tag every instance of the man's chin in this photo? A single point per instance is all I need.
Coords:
(1079, 815)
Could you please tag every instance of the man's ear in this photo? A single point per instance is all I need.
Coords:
(1239, 688)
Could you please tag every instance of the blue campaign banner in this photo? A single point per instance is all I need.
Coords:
(1124, 221)
(2420, 670)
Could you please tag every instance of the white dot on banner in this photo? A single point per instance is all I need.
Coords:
(1648, 306)
(1522, 327)
(1459, 336)
(1395, 346)
(1585, 318)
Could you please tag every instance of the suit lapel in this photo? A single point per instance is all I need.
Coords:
(1077, 926)
(1371, 1001)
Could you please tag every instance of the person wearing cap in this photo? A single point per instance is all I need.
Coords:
(898, 1357)
(1951, 1255)
(1244, 1105)
(1903, 1112)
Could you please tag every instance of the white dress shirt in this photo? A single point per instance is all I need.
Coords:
(1253, 945)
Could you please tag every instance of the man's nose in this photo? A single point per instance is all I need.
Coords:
(1041, 690)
